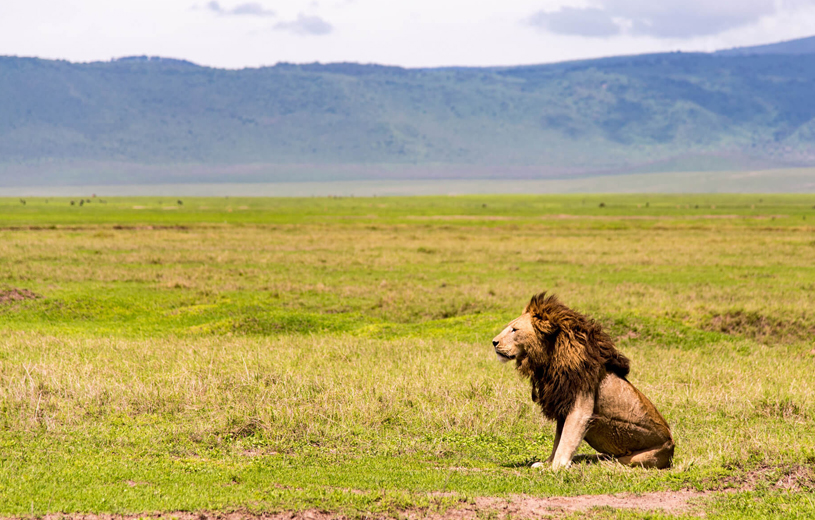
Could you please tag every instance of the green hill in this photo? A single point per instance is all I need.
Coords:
(159, 120)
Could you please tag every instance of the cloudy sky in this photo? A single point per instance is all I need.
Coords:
(414, 33)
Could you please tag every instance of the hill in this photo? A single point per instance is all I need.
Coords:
(799, 46)
(161, 120)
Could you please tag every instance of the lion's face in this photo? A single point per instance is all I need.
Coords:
(513, 341)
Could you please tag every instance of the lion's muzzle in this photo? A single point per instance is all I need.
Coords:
(502, 357)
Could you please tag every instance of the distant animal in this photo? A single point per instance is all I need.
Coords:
(22, 201)
(579, 380)
(180, 203)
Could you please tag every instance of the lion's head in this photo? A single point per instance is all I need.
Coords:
(560, 350)
(514, 341)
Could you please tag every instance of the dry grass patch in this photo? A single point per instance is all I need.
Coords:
(15, 295)
(756, 326)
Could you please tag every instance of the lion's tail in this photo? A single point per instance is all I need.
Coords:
(618, 364)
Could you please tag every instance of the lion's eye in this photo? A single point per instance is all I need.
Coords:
(514, 329)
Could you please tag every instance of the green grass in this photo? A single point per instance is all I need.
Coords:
(292, 354)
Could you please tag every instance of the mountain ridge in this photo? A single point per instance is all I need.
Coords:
(141, 118)
(789, 47)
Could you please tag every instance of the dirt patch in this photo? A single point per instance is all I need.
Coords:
(519, 506)
(796, 479)
(791, 478)
(247, 429)
(16, 295)
(671, 502)
(757, 326)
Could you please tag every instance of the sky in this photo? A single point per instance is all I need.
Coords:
(411, 33)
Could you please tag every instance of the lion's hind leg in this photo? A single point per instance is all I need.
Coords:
(659, 458)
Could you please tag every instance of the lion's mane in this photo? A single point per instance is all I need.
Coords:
(569, 355)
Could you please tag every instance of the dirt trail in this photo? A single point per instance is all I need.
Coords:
(519, 506)
(671, 502)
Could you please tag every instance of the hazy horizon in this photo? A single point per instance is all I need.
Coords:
(792, 180)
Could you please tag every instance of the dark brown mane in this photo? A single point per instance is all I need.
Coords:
(570, 355)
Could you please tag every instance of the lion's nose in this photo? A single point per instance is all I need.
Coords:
(494, 343)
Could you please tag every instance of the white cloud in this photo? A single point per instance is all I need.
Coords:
(306, 25)
(657, 18)
(570, 20)
(413, 33)
(247, 9)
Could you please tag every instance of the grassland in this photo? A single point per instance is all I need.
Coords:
(267, 355)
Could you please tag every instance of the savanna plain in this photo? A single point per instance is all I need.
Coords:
(332, 356)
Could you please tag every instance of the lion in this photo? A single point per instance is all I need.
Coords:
(579, 380)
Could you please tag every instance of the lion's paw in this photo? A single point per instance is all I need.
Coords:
(539, 465)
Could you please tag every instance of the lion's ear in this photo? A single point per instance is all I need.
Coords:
(543, 326)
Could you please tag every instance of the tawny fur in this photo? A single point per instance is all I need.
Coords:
(569, 357)
(579, 380)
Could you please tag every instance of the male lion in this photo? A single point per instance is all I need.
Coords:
(578, 379)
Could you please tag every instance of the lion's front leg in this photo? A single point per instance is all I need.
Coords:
(574, 429)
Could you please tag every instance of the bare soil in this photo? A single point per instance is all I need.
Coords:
(15, 295)
(519, 506)
(756, 326)
(670, 502)
(792, 478)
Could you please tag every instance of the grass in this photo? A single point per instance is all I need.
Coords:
(290, 354)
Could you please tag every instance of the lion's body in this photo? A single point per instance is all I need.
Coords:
(624, 422)
(578, 379)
